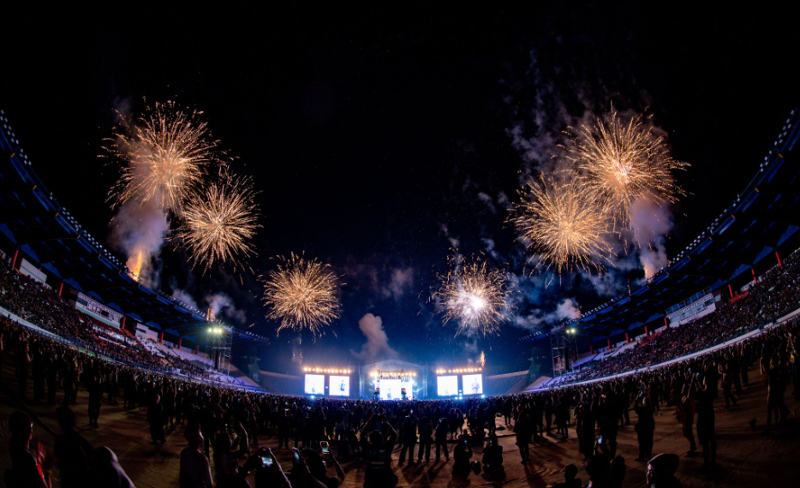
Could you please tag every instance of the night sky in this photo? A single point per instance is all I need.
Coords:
(379, 139)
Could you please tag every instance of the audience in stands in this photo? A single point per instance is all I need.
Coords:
(775, 294)
(234, 417)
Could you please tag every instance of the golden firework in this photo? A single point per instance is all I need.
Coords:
(302, 294)
(563, 223)
(164, 156)
(473, 295)
(219, 223)
(622, 162)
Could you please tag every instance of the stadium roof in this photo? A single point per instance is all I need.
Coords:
(47, 235)
(741, 243)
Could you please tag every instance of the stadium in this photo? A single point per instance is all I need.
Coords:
(175, 350)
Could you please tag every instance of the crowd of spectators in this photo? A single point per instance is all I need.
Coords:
(775, 294)
(230, 421)
(41, 305)
(224, 424)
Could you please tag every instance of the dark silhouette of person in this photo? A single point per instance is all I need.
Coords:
(645, 427)
(73, 452)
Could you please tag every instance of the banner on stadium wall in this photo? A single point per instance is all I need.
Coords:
(29, 269)
(144, 332)
(695, 310)
(98, 311)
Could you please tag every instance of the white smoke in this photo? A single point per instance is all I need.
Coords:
(182, 295)
(377, 344)
(566, 310)
(503, 201)
(470, 345)
(454, 243)
(651, 223)
(139, 231)
(606, 284)
(487, 200)
(220, 303)
(297, 350)
(490, 248)
(401, 279)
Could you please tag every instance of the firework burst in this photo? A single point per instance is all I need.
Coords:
(563, 223)
(219, 223)
(624, 162)
(302, 294)
(473, 295)
(164, 156)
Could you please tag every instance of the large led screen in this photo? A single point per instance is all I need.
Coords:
(315, 384)
(339, 386)
(391, 389)
(472, 383)
(447, 386)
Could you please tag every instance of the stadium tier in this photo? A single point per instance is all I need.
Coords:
(751, 236)
(89, 331)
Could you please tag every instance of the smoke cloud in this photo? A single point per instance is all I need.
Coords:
(377, 344)
(487, 200)
(139, 231)
(489, 246)
(454, 243)
(566, 310)
(651, 223)
(222, 303)
(402, 278)
(182, 295)
(297, 350)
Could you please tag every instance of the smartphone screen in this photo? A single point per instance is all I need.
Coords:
(266, 460)
(296, 457)
(325, 450)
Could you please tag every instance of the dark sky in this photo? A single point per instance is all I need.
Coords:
(368, 132)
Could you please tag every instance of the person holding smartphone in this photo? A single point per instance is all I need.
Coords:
(269, 473)
(461, 456)
(317, 467)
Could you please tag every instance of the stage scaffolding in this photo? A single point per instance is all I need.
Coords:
(218, 347)
(562, 347)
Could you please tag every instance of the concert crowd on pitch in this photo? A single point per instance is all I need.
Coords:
(227, 428)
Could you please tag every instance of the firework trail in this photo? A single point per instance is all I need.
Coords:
(219, 223)
(624, 162)
(473, 295)
(302, 294)
(164, 156)
(561, 221)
